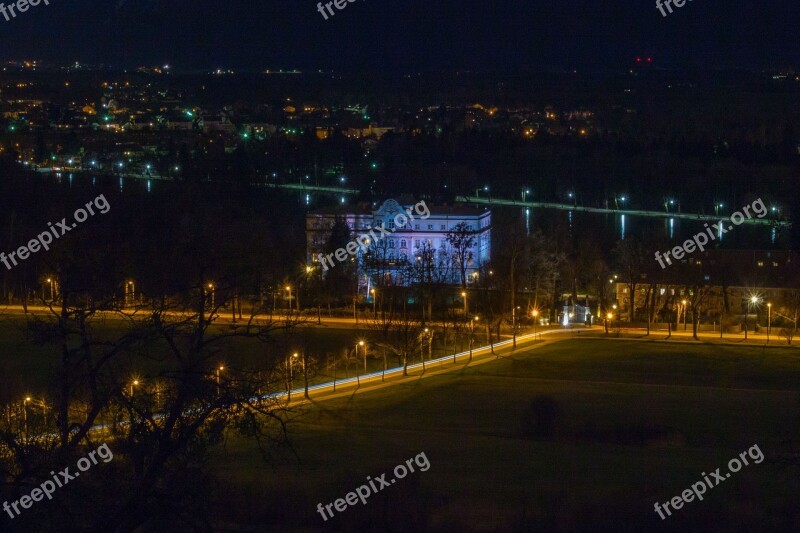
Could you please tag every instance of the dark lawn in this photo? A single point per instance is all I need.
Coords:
(639, 422)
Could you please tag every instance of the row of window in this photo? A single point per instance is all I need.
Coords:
(390, 225)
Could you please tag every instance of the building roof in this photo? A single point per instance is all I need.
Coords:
(367, 209)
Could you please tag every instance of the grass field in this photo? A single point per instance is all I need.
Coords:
(634, 423)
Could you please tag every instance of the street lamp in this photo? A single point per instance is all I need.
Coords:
(211, 290)
(684, 314)
(769, 320)
(752, 300)
(472, 336)
(430, 343)
(25, 414)
(134, 383)
(535, 320)
(289, 290)
(609, 316)
(50, 281)
(362, 344)
(130, 289)
(290, 382)
(464, 295)
(220, 369)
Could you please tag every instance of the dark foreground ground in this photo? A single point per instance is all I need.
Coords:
(580, 435)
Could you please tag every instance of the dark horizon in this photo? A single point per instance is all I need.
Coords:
(404, 36)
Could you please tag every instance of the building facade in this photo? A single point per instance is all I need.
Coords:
(736, 283)
(419, 245)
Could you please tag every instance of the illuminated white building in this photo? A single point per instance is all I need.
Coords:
(396, 253)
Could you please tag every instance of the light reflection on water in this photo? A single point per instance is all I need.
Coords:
(621, 226)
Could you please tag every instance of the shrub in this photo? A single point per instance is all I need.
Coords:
(542, 418)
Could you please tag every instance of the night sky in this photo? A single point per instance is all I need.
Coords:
(406, 35)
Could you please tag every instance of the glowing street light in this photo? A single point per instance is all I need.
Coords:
(363, 345)
(535, 314)
(769, 320)
(219, 369)
(134, 383)
(753, 300)
(472, 335)
(52, 293)
(464, 295)
(212, 291)
(130, 291)
(25, 413)
(290, 381)
(684, 314)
